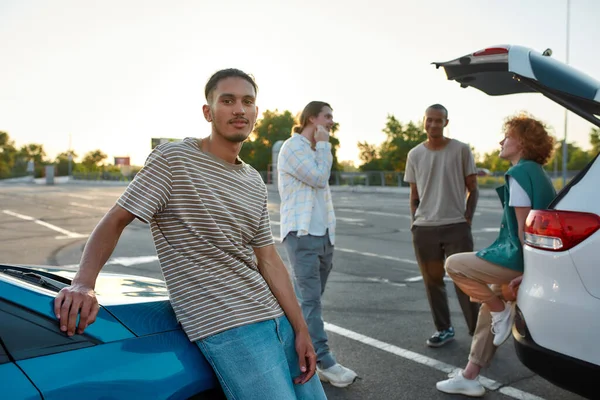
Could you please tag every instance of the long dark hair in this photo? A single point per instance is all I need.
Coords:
(312, 109)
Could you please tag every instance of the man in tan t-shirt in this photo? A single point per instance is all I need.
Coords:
(441, 171)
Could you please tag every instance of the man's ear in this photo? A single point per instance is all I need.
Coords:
(446, 124)
(207, 112)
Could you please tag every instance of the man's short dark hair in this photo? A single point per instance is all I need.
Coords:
(439, 107)
(226, 73)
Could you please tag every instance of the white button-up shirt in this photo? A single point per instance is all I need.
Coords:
(302, 172)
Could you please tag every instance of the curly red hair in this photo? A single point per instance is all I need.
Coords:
(536, 143)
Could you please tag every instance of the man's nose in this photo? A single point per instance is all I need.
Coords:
(239, 109)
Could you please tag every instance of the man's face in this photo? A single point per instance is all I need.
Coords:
(435, 122)
(232, 109)
(325, 118)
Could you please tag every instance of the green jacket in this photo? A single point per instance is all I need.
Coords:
(507, 251)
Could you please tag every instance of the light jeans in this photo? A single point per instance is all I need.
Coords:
(259, 361)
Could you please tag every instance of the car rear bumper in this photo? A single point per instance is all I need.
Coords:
(561, 314)
(569, 373)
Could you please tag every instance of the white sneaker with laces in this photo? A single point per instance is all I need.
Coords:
(502, 323)
(458, 384)
(337, 375)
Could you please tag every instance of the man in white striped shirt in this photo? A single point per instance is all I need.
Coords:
(308, 225)
(208, 214)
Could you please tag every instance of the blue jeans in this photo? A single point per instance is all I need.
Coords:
(312, 259)
(259, 361)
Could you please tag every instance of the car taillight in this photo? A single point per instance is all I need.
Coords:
(555, 230)
(490, 51)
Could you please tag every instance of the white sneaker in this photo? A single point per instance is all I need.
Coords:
(458, 384)
(502, 323)
(337, 375)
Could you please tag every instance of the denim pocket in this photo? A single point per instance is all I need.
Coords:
(284, 329)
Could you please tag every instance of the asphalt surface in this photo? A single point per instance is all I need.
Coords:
(375, 305)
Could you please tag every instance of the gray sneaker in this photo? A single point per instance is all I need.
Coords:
(440, 338)
(458, 384)
(337, 375)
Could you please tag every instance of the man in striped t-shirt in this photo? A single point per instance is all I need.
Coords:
(229, 288)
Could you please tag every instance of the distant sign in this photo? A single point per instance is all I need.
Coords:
(157, 141)
(122, 161)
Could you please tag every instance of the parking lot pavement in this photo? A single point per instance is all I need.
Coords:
(375, 305)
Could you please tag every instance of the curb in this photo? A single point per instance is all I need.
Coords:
(404, 191)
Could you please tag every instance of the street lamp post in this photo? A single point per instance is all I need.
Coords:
(564, 144)
(70, 157)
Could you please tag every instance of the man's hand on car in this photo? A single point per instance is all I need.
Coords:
(72, 301)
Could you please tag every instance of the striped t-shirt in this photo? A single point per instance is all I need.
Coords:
(206, 215)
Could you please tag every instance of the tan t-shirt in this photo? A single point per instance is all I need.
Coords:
(440, 178)
(206, 215)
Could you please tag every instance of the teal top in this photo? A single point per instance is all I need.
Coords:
(507, 251)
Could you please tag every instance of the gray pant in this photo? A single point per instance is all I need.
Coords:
(311, 259)
(433, 244)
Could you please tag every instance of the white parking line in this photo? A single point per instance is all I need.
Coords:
(486, 230)
(420, 278)
(81, 196)
(385, 214)
(427, 361)
(402, 260)
(103, 209)
(384, 280)
(68, 234)
(498, 210)
(349, 221)
(352, 221)
(125, 261)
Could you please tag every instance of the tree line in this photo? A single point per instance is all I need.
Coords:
(401, 138)
(256, 151)
(14, 160)
(273, 126)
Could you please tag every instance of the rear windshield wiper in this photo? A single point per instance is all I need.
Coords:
(34, 278)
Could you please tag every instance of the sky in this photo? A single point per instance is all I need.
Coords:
(111, 75)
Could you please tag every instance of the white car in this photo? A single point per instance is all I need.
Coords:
(558, 305)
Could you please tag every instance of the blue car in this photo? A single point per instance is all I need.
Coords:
(136, 349)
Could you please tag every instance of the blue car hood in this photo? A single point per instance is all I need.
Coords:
(141, 304)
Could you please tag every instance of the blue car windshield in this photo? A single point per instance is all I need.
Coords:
(34, 278)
